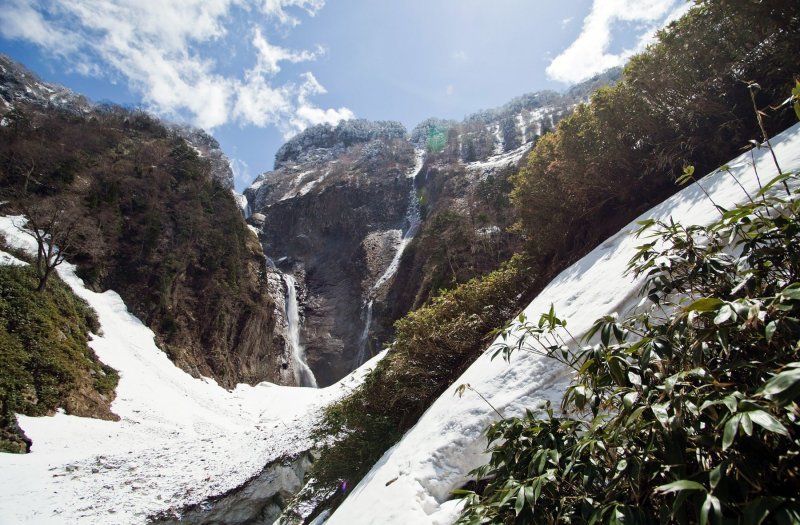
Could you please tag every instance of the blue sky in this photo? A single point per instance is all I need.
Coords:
(256, 72)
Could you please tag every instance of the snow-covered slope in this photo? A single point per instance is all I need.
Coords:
(413, 481)
(179, 440)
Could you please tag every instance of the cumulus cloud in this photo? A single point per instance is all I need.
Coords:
(589, 53)
(307, 113)
(165, 50)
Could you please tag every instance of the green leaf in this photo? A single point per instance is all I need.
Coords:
(680, 485)
(796, 98)
(711, 507)
(791, 292)
(768, 422)
(520, 502)
(706, 304)
(729, 434)
(725, 313)
(769, 331)
(688, 173)
(746, 423)
(780, 383)
(715, 476)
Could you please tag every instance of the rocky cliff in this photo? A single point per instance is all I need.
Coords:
(372, 221)
(331, 214)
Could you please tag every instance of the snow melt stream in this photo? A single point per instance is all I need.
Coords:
(413, 481)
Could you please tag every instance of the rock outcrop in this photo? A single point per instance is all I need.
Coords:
(334, 190)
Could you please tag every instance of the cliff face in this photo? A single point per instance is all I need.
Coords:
(330, 214)
(166, 232)
(372, 221)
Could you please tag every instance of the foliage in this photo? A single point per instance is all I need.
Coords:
(44, 351)
(433, 345)
(166, 234)
(683, 100)
(684, 412)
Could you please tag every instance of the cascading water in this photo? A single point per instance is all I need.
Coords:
(302, 373)
(362, 341)
(413, 220)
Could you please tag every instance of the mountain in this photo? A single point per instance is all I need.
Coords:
(372, 221)
(165, 229)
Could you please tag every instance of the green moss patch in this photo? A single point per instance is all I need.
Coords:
(46, 361)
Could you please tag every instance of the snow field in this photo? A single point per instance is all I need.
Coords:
(179, 440)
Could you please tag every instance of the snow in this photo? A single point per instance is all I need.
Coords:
(413, 481)
(499, 161)
(294, 191)
(257, 183)
(179, 441)
(310, 185)
(419, 161)
(242, 203)
(6, 259)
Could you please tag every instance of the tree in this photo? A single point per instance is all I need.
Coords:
(60, 229)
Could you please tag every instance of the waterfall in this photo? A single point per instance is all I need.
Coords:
(413, 220)
(302, 373)
(364, 339)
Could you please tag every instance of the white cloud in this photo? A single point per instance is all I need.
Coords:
(241, 172)
(566, 21)
(589, 53)
(166, 52)
(307, 113)
(449, 90)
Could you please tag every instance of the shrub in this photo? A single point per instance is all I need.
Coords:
(45, 354)
(685, 412)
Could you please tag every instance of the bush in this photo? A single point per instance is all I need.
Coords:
(45, 354)
(686, 412)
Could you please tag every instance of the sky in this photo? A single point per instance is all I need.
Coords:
(256, 72)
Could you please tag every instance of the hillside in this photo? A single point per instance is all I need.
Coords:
(413, 481)
(156, 221)
(178, 440)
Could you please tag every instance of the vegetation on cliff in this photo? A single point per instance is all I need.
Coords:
(46, 361)
(166, 234)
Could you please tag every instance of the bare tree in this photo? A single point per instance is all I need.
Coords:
(59, 228)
